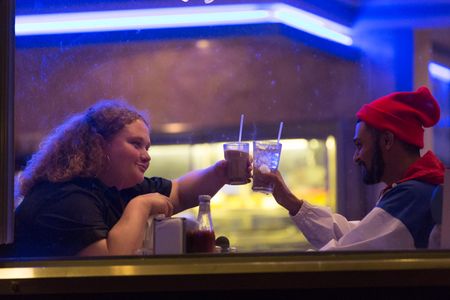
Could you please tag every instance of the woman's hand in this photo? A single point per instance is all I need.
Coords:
(156, 203)
(126, 236)
(221, 168)
(152, 204)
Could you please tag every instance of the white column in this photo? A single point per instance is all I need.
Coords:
(422, 56)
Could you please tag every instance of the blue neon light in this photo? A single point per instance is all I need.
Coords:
(182, 17)
(439, 72)
(312, 24)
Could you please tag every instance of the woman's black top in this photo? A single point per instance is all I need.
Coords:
(61, 219)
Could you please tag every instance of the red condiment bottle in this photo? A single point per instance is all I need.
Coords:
(202, 239)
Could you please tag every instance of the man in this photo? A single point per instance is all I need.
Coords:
(388, 138)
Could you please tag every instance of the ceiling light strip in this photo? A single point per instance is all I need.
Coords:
(182, 17)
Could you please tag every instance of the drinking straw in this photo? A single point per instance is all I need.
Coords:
(279, 131)
(240, 128)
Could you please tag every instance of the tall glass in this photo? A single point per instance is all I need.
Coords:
(237, 155)
(266, 156)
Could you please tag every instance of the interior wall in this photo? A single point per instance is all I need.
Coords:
(206, 83)
(202, 83)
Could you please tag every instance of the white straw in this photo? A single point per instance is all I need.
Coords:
(279, 132)
(240, 128)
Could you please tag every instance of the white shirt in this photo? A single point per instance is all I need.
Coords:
(330, 231)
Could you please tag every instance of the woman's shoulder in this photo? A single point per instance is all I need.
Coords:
(76, 185)
(51, 194)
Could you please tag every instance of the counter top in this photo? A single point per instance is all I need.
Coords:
(235, 271)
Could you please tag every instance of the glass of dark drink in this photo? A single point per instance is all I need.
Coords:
(237, 155)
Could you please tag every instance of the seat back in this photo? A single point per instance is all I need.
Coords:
(434, 240)
(440, 210)
(436, 204)
(445, 221)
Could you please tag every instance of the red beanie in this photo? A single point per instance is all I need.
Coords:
(403, 113)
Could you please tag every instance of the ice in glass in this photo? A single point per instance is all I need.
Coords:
(266, 156)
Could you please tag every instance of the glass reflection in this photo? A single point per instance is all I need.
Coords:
(202, 80)
(254, 221)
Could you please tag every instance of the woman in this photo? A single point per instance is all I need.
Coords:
(85, 192)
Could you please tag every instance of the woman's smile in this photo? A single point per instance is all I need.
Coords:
(143, 166)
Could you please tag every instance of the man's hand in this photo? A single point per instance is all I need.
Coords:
(281, 192)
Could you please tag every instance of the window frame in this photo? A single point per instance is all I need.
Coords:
(234, 273)
(7, 37)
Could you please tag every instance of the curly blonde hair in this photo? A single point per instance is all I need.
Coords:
(76, 148)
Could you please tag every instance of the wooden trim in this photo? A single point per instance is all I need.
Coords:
(227, 272)
(7, 42)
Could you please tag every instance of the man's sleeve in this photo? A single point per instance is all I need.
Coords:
(319, 225)
(149, 185)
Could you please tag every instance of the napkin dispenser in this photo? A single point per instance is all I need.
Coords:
(169, 235)
(166, 235)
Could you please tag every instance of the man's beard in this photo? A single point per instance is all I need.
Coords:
(373, 175)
